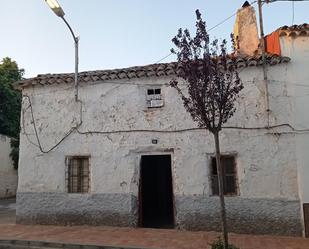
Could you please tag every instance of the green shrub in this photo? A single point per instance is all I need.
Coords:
(218, 244)
(15, 151)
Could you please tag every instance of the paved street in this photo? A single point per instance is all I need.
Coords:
(140, 237)
(7, 211)
(147, 238)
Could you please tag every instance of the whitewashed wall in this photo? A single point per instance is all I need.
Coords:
(8, 175)
(297, 48)
(118, 107)
(268, 200)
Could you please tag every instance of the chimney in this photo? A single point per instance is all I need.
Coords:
(245, 31)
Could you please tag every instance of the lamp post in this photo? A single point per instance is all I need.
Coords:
(56, 8)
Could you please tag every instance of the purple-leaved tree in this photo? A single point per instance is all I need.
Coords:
(212, 85)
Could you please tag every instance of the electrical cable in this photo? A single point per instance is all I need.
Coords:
(191, 129)
(272, 1)
(293, 10)
(36, 132)
(166, 56)
(213, 27)
(76, 128)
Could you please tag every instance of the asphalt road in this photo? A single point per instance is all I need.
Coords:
(7, 211)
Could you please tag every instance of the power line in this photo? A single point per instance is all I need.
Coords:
(213, 27)
(164, 58)
(226, 19)
(272, 1)
(223, 21)
(76, 128)
(293, 9)
(39, 145)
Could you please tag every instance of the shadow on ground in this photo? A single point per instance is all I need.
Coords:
(7, 211)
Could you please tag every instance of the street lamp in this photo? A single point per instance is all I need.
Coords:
(56, 8)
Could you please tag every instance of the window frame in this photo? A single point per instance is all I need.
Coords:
(153, 96)
(211, 175)
(67, 173)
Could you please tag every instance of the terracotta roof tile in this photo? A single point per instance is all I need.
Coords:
(294, 30)
(153, 70)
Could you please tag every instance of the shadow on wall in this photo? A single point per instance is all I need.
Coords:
(8, 175)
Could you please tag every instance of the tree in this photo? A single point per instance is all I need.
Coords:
(10, 104)
(212, 85)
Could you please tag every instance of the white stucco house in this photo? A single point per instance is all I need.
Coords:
(8, 174)
(128, 154)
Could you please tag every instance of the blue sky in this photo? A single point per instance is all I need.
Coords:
(115, 33)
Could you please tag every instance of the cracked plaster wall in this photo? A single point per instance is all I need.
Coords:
(266, 161)
(298, 49)
(112, 107)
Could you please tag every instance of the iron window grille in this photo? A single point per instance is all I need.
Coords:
(77, 174)
(229, 176)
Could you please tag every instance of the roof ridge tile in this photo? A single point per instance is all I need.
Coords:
(152, 70)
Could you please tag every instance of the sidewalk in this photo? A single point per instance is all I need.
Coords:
(7, 210)
(141, 237)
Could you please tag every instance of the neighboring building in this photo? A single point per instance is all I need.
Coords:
(8, 175)
(128, 154)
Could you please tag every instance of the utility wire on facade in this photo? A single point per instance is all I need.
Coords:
(76, 128)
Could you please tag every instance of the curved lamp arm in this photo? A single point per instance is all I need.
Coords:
(56, 8)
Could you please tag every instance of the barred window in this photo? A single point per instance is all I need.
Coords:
(154, 98)
(229, 176)
(77, 174)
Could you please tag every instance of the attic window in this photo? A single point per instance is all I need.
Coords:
(154, 98)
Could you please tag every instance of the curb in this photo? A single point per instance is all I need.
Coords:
(26, 244)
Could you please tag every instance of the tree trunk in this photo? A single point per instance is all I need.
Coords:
(221, 190)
